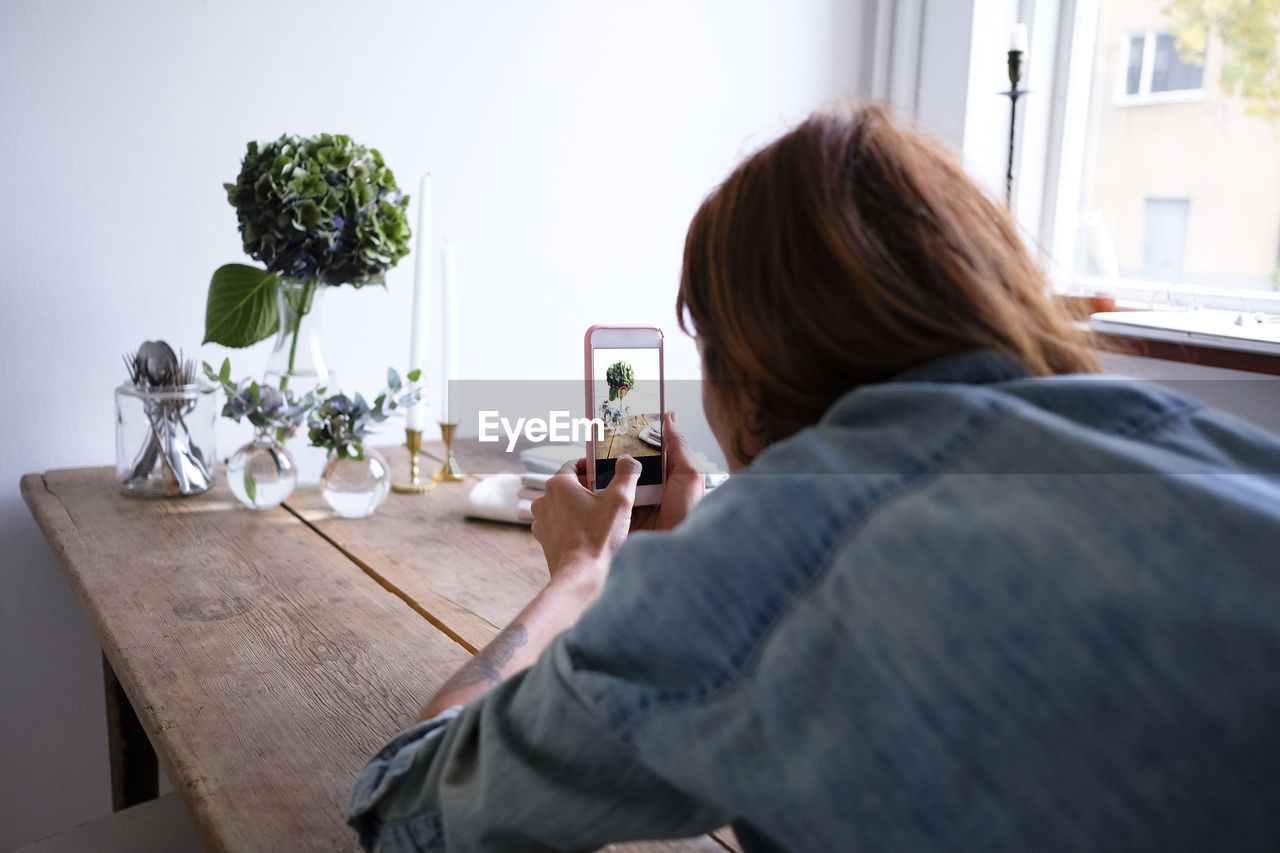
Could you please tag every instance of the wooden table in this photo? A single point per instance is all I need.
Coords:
(615, 445)
(266, 655)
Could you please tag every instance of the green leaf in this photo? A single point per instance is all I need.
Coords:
(414, 374)
(250, 486)
(241, 309)
(225, 373)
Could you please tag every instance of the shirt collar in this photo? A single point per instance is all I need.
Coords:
(979, 367)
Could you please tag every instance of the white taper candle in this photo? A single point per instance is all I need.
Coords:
(1018, 38)
(416, 416)
(449, 331)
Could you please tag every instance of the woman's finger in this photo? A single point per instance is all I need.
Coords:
(568, 473)
(626, 475)
(679, 453)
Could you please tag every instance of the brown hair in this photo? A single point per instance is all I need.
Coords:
(848, 251)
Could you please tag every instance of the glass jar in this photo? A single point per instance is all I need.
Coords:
(262, 473)
(355, 486)
(165, 440)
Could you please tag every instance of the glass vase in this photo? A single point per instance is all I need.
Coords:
(297, 359)
(297, 362)
(615, 416)
(262, 473)
(355, 486)
(165, 440)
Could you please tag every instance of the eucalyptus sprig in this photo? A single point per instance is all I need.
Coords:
(340, 424)
(264, 406)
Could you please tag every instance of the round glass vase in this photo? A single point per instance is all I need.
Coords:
(355, 486)
(262, 473)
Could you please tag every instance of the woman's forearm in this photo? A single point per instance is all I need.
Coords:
(554, 609)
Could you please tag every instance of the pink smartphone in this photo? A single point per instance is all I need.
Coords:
(625, 399)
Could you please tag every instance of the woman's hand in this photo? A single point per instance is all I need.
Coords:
(684, 487)
(580, 530)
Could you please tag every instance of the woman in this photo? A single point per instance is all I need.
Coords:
(953, 597)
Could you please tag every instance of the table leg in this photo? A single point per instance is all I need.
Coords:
(133, 762)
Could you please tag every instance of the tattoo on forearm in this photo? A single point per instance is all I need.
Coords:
(487, 665)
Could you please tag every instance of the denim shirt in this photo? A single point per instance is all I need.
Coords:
(968, 610)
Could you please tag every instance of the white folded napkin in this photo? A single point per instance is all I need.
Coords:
(497, 498)
(547, 458)
(537, 482)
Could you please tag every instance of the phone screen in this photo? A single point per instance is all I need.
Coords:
(627, 393)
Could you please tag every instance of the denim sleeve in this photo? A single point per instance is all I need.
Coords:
(529, 766)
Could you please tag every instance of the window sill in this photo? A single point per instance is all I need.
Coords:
(1152, 296)
(1155, 99)
(1207, 338)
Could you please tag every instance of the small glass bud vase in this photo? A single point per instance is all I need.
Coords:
(355, 486)
(164, 440)
(262, 473)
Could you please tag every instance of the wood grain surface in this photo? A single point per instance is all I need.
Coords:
(469, 578)
(263, 662)
(264, 668)
(615, 445)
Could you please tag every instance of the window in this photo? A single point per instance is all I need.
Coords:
(1155, 70)
(1166, 190)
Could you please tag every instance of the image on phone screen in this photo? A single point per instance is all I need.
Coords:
(627, 393)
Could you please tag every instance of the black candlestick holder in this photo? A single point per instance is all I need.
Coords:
(1013, 94)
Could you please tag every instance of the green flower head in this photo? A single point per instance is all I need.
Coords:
(320, 208)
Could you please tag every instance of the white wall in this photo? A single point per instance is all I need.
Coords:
(570, 143)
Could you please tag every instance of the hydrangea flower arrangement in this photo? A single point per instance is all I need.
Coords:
(322, 210)
(619, 376)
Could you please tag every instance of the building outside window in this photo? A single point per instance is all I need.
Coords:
(1178, 185)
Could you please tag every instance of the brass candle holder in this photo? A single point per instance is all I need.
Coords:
(416, 485)
(450, 471)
